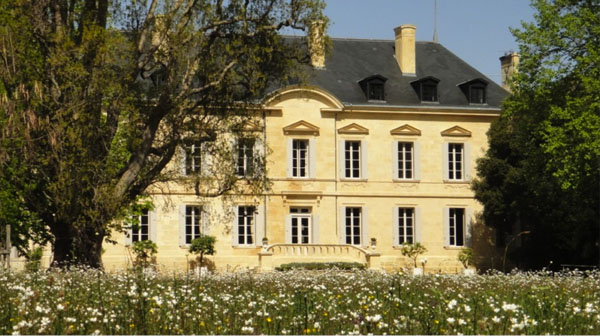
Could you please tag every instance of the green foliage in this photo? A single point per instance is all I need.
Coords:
(92, 116)
(465, 256)
(318, 266)
(412, 251)
(144, 251)
(542, 169)
(203, 245)
(34, 259)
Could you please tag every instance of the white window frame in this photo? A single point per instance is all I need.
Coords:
(457, 239)
(456, 165)
(143, 221)
(196, 221)
(402, 168)
(297, 214)
(405, 225)
(193, 157)
(350, 225)
(244, 156)
(247, 238)
(352, 164)
(297, 170)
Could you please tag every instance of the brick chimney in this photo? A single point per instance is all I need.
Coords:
(405, 49)
(508, 67)
(316, 44)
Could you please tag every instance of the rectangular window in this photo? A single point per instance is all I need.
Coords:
(300, 162)
(406, 225)
(455, 161)
(352, 159)
(193, 223)
(300, 225)
(245, 225)
(429, 92)
(456, 227)
(141, 231)
(244, 157)
(477, 95)
(405, 160)
(376, 91)
(353, 225)
(193, 157)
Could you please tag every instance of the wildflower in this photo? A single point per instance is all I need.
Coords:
(509, 307)
(467, 308)
(452, 304)
(60, 307)
(450, 320)
(269, 320)
(247, 330)
(496, 319)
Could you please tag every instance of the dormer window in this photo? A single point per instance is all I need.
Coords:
(373, 87)
(474, 90)
(426, 89)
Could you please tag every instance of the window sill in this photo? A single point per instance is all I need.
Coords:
(457, 181)
(294, 178)
(246, 247)
(455, 247)
(405, 181)
(353, 180)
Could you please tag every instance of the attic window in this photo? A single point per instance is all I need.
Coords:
(426, 89)
(474, 90)
(373, 87)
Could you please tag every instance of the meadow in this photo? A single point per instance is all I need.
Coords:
(298, 302)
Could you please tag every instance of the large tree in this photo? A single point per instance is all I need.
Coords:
(540, 177)
(97, 97)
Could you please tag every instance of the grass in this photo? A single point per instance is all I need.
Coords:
(298, 302)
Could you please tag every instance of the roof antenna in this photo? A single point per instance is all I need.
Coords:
(435, 35)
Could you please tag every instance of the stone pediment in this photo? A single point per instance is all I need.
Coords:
(456, 131)
(249, 126)
(405, 130)
(353, 129)
(301, 127)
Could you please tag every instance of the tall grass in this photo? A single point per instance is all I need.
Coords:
(88, 302)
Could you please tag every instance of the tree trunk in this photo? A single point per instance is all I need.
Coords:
(82, 247)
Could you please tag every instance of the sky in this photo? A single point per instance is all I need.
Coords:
(475, 30)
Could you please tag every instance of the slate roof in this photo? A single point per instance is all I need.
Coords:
(352, 60)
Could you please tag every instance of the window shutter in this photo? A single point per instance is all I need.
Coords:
(467, 158)
(205, 224)
(206, 159)
(341, 161)
(445, 160)
(395, 228)
(395, 160)
(234, 227)
(288, 149)
(446, 226)
(152, 225)
(259, 225)
(315, 229)
(181, 225)
(364, 237)
(468, 227)
(127, 234)
(182, 156)
(288, 229)
(364, 160)
(312, 158)
(417, 225)
(341, 225)
(417, 161)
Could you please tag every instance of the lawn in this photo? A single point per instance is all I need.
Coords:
(297, 302)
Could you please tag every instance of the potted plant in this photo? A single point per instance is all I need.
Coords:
(201, 246)
(413, 251)
(465, 256)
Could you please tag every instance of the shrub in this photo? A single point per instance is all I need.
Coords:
(322, 266)
(413, 251)
(203, 245)
(144, 252)
(34, 259)
(466, 257)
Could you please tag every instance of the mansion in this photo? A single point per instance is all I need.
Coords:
(378, 149)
